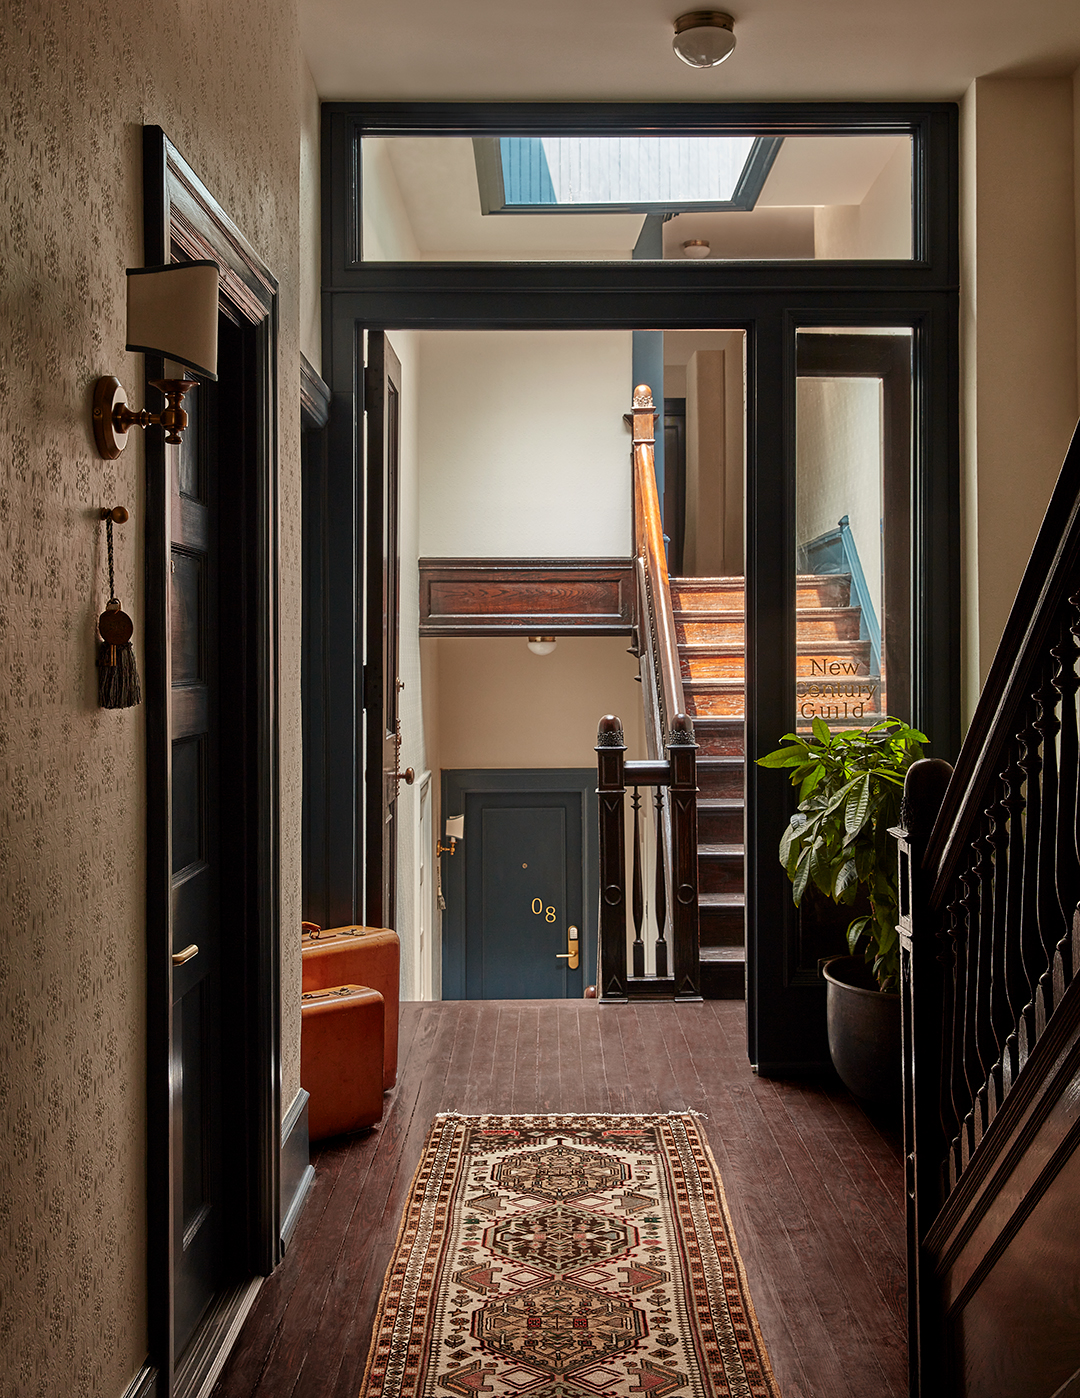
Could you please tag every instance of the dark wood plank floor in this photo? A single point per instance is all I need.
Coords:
(814, 1186)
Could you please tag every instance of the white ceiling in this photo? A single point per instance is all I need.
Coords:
(620, 50)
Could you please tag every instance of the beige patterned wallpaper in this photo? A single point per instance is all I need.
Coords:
(79, 81)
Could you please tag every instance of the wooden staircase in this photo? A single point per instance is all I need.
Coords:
(831, 659)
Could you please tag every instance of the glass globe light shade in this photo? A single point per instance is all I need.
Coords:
(541, 645)
(703, 38)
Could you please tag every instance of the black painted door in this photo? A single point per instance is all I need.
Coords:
(382, 403)
(518, 887)
(200, 1214)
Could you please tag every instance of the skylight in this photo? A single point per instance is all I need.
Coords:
(597, 174)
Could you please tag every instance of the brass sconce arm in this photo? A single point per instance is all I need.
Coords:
(113, 419)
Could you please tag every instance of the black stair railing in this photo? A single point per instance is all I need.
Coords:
(990, 896)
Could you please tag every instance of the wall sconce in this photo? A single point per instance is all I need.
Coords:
(171, 311)
(455, 831)
(541, 645)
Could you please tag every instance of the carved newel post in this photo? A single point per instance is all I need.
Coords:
(610, 757)
(682, 756)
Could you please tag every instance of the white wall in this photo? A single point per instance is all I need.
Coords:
(499, 705)
(879, 226)
(523, 448)
(1019, 336)
(838, 466)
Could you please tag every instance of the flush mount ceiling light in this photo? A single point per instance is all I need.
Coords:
(541, 645)
(704, 38)
(695, 248)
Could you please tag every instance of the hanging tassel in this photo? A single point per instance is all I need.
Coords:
(118, 677)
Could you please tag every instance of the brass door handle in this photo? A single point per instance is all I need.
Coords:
(181, 958)
(571, 956)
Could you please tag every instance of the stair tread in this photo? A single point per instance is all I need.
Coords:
(722, 900)
(721, 851)
(721, 614)
(722, 803)
(824, 644)
(722, 953)
(721, 759)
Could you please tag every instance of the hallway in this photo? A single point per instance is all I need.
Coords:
(815, 1188)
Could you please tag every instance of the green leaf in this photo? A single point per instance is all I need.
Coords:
(847, 878)
(857, 807)
(782, 757)
(855, 931)
(802, 877)
(821, 730)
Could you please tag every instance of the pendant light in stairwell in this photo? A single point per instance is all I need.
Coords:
(704, 38)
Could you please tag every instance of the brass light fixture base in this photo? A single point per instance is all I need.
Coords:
(113, 419)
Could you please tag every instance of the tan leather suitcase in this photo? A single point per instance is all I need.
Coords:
(341, 1043)
(358, 956)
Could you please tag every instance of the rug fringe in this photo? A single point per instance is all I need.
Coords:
(547, 1116)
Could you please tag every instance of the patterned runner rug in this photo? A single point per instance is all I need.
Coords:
(566, 1257)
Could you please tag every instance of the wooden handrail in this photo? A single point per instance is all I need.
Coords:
(656, 621)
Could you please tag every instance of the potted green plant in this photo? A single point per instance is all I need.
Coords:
(850, 783)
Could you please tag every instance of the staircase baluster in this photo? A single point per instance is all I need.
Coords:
(637, 903)
(1068, 866)
(1031, 943)
(969, 903)
(985, 1047)
(1016, 988)
(1049, 913)
(661, 886)
(954, 1101)
(998, 1007)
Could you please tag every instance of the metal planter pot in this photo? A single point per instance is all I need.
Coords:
(864, 1031)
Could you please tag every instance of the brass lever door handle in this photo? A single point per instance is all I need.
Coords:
(181, 958)
(570, 957)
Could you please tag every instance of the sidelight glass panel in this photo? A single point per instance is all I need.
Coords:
(852, 472)
(616, 197)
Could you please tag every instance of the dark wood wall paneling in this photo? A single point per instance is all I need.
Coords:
(526, 596)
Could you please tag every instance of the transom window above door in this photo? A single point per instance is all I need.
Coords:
(600, 197)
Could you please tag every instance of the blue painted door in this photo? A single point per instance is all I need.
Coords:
(516, 887)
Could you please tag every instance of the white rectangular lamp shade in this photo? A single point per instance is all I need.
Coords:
(455, 827)
(173, 311)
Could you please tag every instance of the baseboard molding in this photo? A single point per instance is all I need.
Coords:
(297, 1174)
(144, 1384)
(202, 1362)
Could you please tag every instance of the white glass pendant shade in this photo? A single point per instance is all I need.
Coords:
(704, 38)
(173, 312)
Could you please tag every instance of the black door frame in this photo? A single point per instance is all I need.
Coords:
(182, 220)
(768, 300)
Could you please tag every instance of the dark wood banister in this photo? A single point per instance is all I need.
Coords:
(1041, 591)
(656, 621)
